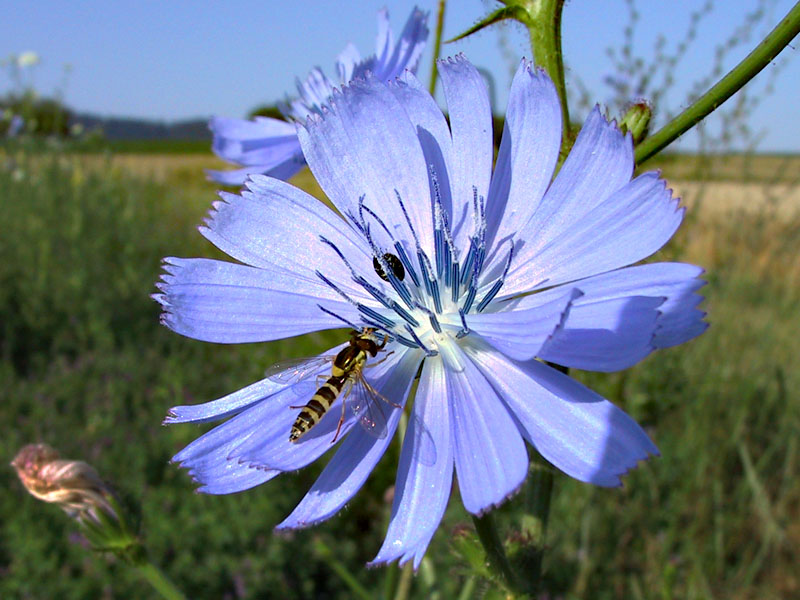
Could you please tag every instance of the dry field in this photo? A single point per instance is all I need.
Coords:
(710, 187)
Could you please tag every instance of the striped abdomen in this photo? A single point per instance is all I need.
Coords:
(320, 402)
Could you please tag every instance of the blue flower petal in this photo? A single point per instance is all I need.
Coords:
(224, 407)
(574, 428)
(278, 227)
(422, 488)
(527, 156)
(628, 226)
(599, 335)
(358, 454)
(392, 59)
(237, 480)
(599, 164)
(607, 335)
(366, 146)
(228, 303)
(213, 456)
(521, 333)
(263, 145)
(277, 452)
(314, 91)
(490, 456)
(471, 126)
(269, 146)
(433, 134)
(346, 62)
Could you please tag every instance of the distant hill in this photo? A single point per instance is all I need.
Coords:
(122, 128)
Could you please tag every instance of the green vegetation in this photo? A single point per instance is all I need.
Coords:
(87, 368)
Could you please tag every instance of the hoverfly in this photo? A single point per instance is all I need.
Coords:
(346, 378)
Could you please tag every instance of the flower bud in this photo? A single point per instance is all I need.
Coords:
(72, 484)
(637, 120)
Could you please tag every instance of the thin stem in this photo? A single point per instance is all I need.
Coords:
(404, 587)
(493, 546)
(468, 589)
(437, 45)
(544, 27)
(358, 590)
(159, 581)
(759, 58)
(538, 493)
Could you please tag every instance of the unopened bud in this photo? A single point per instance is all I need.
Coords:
(72, 484)
(637, 120)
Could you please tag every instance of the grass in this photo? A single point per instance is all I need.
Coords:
(86, 368)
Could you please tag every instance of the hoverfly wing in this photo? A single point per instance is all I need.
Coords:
(293, 370)
(366, 405)
(424, 446)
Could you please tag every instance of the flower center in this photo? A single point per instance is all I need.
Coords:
(429, 300)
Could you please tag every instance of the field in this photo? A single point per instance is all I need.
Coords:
(87, 368)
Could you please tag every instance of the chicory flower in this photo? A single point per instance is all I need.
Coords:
(270, 146)
(502, 269)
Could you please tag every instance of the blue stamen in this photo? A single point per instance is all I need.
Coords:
(431, 283)
(499, 283)
(466, 269)
(489, 296)
(376, 316)
(464, 327)
(405, 341)
(374, 292)
(401, 254)
(364, 207)
(325, 240)
(408, 219)
(335, 288)
(439, 251)
(342, 319)
(455, 281)
(424, 266)
(469, 299)
(396, 284)
(428, 351)
(432, 316)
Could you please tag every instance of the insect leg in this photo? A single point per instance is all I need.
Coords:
(343, 395)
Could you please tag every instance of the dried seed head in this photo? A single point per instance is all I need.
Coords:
(72, 484)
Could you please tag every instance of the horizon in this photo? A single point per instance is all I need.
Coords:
(203, 71)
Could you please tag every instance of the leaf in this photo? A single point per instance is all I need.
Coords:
(516, 13)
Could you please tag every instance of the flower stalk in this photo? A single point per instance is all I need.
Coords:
(748, 68)
(76, 487)
(486, 527)
(544, 27)
(437, 46)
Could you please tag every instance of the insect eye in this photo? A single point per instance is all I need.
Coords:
(394, 264)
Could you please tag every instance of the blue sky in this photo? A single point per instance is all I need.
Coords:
(184, 59)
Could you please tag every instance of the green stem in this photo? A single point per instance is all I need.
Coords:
(159, 581)
(544, 27)
(437, 45)
(493, 546)
(358, 590)
(538, 493)
(404, 587)
(759, 58)
(468, 589)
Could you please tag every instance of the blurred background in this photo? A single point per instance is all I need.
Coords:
(103, 146)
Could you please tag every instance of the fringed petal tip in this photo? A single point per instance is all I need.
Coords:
(402, 558)
(610, 122)
(617, 480)
(495, 505)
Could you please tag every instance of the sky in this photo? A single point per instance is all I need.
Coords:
(180, 59)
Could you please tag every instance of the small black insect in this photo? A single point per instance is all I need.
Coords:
(394, 264)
